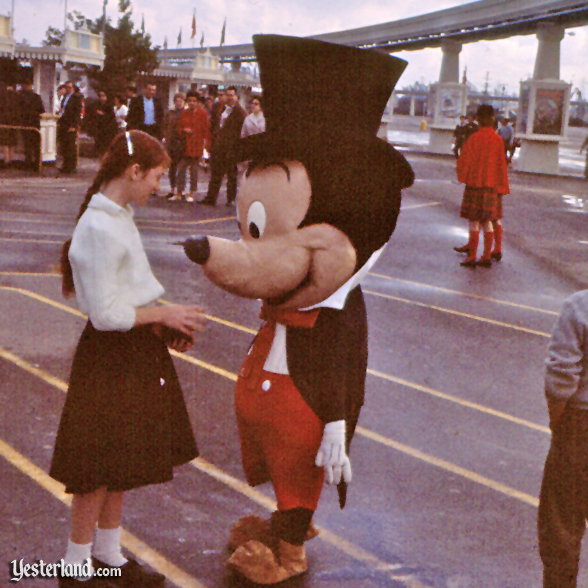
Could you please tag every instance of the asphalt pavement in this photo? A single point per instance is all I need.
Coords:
(449, 453)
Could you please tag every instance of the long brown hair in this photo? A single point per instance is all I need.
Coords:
(125, 150)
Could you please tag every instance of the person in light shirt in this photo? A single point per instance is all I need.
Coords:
(255, 121)
(124, 423)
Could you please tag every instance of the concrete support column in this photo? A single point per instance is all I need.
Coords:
(36, 76)
(449, 99)
(544, 111)
(412, 105)
(450, 63)
(547, 60)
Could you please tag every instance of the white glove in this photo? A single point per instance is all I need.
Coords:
(331, 454)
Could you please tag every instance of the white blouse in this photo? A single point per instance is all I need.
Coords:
(253, 124)
(111, 272)
(121, 114)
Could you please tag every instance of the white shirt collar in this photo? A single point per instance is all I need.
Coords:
(101, 202)
(337, 299)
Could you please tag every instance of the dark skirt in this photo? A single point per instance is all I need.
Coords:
(481, 204)
(124, 423)
(8, 137)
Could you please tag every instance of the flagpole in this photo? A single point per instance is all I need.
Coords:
(64, 18)
(12, 18)
(104, 18)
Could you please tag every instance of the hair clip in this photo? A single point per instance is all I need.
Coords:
(129, 144)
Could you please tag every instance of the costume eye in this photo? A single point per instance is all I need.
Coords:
(256, 219)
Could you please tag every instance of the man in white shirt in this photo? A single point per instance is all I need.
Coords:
(229, 132)
(146, 113)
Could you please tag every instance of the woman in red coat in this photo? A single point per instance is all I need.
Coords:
(482, 168)
(194, 128)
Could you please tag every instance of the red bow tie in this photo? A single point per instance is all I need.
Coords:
(289, 316)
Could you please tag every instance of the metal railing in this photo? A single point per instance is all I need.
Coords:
(38, 131)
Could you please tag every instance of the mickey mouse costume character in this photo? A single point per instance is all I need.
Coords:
(317, 204)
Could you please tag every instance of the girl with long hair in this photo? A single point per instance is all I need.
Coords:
(124, 423)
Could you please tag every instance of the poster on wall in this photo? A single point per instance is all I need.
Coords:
(549, 107)
(450, 104)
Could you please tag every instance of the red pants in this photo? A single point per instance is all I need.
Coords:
(280, 434)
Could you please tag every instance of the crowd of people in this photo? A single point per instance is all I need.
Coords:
(468, 125)
(208, 127)
(20, 108)
(199, 130)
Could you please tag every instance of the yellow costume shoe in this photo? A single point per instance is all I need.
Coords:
(258, 563)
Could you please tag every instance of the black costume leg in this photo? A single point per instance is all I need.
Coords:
(292, 525)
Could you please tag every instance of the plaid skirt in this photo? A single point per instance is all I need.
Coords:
(481, 204)
(124, 423)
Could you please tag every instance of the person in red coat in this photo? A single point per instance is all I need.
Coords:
(482, 168)
(194, 128)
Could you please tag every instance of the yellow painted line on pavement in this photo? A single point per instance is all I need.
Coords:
(450, 467)
(142, 550)
(466, 294)
(137, 547)
(169, 247)
(414, 206)
(256, 496)
(30, 240)
(41, 274)
(460, 314)
(44, 299)
(362, 431)
(231, 376)
(70, 218)
(221, 321)
(460, 401)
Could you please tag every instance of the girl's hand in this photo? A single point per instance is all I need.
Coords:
(186, 319)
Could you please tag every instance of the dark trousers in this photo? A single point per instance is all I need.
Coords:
(219, 166)
(188, 164)
(152, 130)
(32, 148)
(563, 504)
(172, 173)
(68, 149)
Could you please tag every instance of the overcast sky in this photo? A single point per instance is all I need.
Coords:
(501, 62)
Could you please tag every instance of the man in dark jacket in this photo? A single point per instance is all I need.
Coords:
(31, 107)
(227, 135)
(70, 114)
(146, 113)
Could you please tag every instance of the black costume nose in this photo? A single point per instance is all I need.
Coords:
(197, 249)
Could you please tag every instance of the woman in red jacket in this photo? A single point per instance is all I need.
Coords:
(482, 168)
(194, 128)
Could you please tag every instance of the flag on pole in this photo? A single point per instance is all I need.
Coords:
(202, 40)
(142, 24)
(165, 43)
(104, 3)
(193, 35)
(180, 37)
(222, 42)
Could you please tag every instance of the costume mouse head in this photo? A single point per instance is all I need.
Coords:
(322, 192)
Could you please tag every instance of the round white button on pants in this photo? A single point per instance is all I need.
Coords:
(266, 385)
(161, 381)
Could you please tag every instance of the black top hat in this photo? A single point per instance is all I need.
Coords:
(316, 91)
